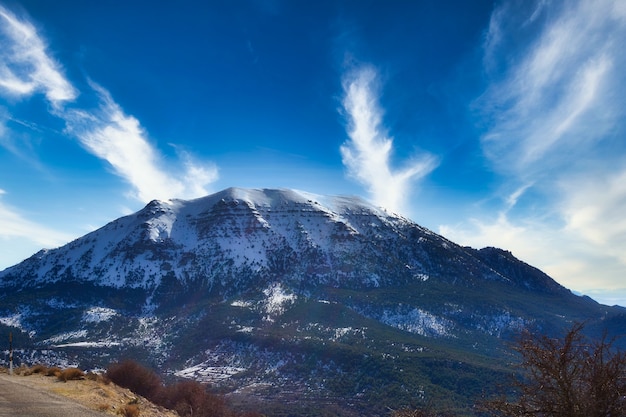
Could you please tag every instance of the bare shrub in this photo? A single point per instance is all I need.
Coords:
(70, 374)
(191, 398)
(53, 371)
(187, 398)
(570, 376)
(39, 369)
(138, 379)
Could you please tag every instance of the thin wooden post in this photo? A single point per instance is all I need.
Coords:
(10, 353)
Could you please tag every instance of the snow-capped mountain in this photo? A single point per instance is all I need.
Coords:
(236, 236)
(280, 294)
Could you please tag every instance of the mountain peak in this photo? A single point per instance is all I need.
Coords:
(277, 197)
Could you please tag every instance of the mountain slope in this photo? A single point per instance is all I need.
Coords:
(278, 294)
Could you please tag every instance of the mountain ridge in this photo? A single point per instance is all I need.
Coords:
(269, 294)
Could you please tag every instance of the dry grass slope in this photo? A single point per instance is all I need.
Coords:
(92, 390)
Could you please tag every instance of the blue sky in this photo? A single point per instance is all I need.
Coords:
(493, 123)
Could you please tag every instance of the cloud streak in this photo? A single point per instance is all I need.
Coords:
(367, 155)
(555, 119)
(120, 140)
(106, 132)
(25, 67)
(559, 99)
(14, 225)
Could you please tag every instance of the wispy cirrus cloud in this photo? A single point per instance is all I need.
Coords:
(107, 132)
(25, 66)
(559, 98)
(119, 139)
(15, 225)
(554, 118)
(367, 155)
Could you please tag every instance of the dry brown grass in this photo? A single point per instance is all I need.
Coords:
(21, 370)
(98, 392)
(102, 407)
(95, 392)
(70, 374)
(129, 410)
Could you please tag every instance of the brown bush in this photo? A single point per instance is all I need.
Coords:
(191, 398)
(54, 371)
(39, 369)
(70, 374)
(187, 398)
(129, 410)
(138, 379)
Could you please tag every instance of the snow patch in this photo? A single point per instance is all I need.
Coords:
(79, 334)
(496, 324)
(277, 300)
(14, 320)
(19, 320)
(98, 314)
(417, 321)
(241, 303)
(205, 373)
(422, 277)
(102, 344)
(245, 329)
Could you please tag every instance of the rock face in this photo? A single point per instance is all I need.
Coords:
(290, 296)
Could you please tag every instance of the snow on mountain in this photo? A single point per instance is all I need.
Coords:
(236, 229)
(281, 294)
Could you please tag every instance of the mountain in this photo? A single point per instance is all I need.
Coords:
(293, 303)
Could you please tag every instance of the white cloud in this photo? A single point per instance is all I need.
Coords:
(367, 154)
(120, 140)
(107, 132)
(556, 120)
(25, 66)
(197, 175)
(594, 207)
(20, 237)
(15, 225)
(559, 98)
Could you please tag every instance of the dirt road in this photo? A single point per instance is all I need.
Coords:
(17, 398)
